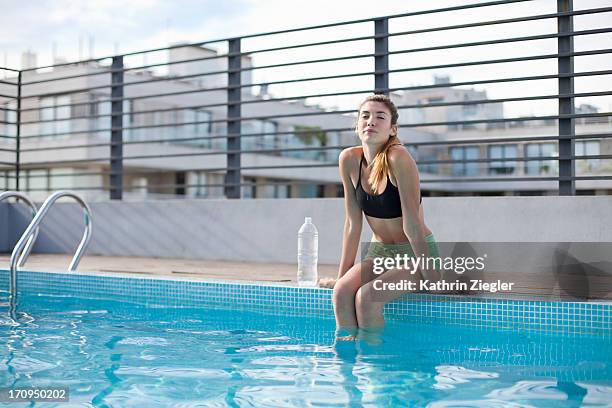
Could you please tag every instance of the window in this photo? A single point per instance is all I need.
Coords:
(168, 120)
(138, 186)
(291, 142)
(104, 122)
(128, 119)
(201, 129)
(180, 179)
(198, 126)
(423, 155)
(80, 109)
(4, 178)
(201, 181)
(220, 143)
(465, 153)
(268, 141)
(267, 134)
(307, 191)
(309, 137)
(7, 180)
(154, 132)
(47, 115)
(536, 167)
(470, 110)
(93, 105)
(37, 180)
(189, 130)
(333, 139)
(587, 148)
(8, 116)
(431, 167)
(249, 190)
(57, 115)
(502, 152)
(62, 178)
(275, 190)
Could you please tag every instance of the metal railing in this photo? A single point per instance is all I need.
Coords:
(31, 233)
(162, 131)
(30, 242)
(10, 110)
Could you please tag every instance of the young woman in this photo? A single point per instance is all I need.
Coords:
(380, 180)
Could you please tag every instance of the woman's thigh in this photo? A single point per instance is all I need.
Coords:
(391, 285)
(357, 276)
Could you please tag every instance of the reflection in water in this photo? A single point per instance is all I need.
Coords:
(538, 392)
(133, 356)
(529, 390)
(596, 394)
(346, 352)
(449, 376)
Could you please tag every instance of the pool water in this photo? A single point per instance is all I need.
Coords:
(116, 354)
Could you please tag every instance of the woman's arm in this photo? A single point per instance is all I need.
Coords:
(406, 174)
(353, 219)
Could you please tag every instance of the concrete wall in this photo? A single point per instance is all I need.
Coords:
(266, 230)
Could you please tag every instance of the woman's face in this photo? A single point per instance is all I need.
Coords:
(374, 123)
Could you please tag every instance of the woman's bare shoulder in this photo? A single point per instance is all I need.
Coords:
(350, 154)
(401, 161)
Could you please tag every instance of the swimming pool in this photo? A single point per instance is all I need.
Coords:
(125, 341)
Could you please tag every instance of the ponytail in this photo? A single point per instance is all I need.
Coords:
(379, 168)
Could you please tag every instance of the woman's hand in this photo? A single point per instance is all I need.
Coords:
(327, 283)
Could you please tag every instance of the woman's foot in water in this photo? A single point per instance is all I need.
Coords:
(347, 338)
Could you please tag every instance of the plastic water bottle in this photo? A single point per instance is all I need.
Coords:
(308, 254)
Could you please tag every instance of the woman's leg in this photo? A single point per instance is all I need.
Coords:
(345, 290)
(370, 301)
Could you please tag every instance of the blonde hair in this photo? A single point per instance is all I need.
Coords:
(379, 168)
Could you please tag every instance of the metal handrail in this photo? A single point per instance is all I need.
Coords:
(44, 209)
(234, 100)
(32, 239)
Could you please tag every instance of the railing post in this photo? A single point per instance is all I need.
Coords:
(18, 134)
(116, 153)
(381, 60)
(567, 126)
(234, 97)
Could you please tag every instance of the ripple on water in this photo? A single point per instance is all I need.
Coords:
(121, 356)
(596, 394)
(523, 390)
(306, 348)
(144, 341)
(26, 364)
(291, 395)
(449, 376)
(175, 372)
(481, 403)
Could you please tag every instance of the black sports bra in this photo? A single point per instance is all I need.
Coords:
(385, 205)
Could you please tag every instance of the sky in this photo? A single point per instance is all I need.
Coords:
(74, 29)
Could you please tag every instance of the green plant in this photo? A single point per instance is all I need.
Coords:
(308, 134)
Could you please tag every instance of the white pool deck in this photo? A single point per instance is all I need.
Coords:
(184, 268)
(527, 286)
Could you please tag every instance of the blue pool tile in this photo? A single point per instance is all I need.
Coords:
(566, 317)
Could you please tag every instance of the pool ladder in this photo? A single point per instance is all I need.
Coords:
(25, 243)
(30, 203)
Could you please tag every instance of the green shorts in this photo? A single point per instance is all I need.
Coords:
(381, 250)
